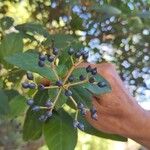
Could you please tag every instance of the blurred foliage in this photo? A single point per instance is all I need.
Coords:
(117, 31)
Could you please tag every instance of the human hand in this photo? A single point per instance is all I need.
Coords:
(118, 112)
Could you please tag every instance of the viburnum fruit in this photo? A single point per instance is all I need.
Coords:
(62, 84)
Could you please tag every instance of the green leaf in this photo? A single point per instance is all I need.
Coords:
(32, 129)
(81, 95)
(95, 89)
(91, 87)
(6, 22)
(61, 40)
(93, 131)
(61, 70)
(77, 72)
(32, 28)
(106, 9)
(61, 100)
(76, 22)
(17, 106)
(4, 106)
(11, 44)
(11, 94)
(59, 132)
(29, 61)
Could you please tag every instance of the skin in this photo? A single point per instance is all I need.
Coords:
(118, 112)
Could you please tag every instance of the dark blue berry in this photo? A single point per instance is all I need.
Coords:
(51, 58)
(77, 54)
(81, 126)
(94, 71)
(85, 55)
(29, 75)
(30, 102)
(83, 111)
(75, 123)
(82, 77)
(93, 110)
(68, 93)
(48, 114)
(71, 51)
(25, 85)
(42, 57)
(41, 63)
(91, 80)
(32, 85)
(43, 118)
(41, 87)
(55, 51)
(93, 113)
(48, 103)
(59, 83)
(88, 69)
(101, 84)
(94, 116)
(71, 78)
(36, 108)
(80, 106)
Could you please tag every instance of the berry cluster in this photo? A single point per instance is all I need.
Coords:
(63, 84)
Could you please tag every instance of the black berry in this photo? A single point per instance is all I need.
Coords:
(51, 58)
(36, 108)
(59, 83)
(101, 84)
(75, 123)
(42, 57)
(68, 93)
(94, 116)
(85, 55)
(43, 118)
(32, 85)
(88, 69)
(93, 110)
(94, 71)
(93, 113)
(80, 106)
(77, 54)
(29, 75)
(83, 111)
(41, 63)
(55, 51)
(71, 78)
(48, 103)
(91, 80)
(81, 126)
(25, 85)
(41, 87)
(82, 77)
(48, 114)
(30, 102)
(71, 51)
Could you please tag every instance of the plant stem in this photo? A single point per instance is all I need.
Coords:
(42, 107)
(55, 72)
(74, 102)
(56, 98)
(76, 83)
(71, 70)
(51, 87)
(76, 116)
(72, 60)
